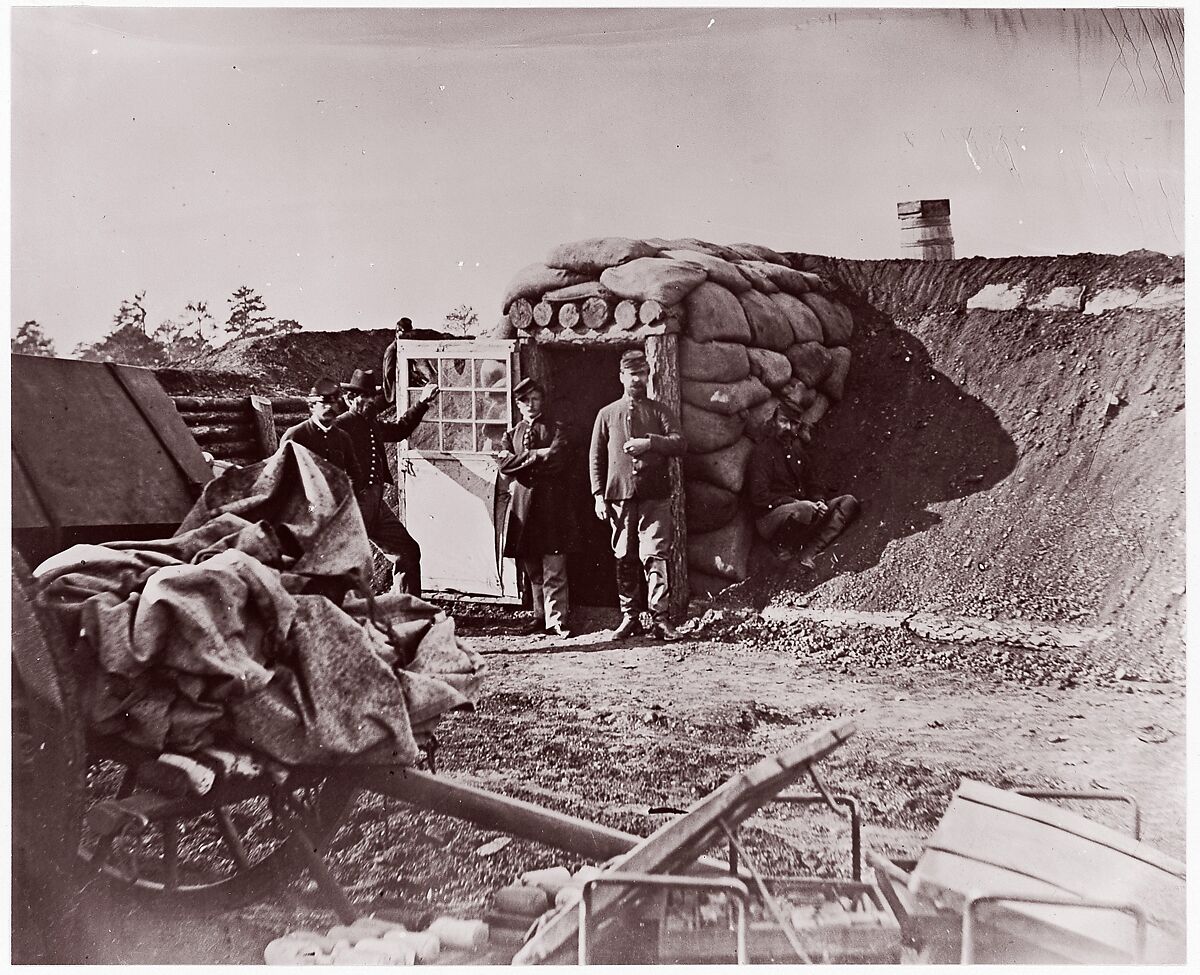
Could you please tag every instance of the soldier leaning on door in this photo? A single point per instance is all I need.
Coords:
(367, 435)
(632, 441)
(540, 527)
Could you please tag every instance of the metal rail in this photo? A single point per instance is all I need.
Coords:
(1089, 795)
(728, 885)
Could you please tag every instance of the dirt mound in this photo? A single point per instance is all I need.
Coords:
(280, 364)
(1019, 464)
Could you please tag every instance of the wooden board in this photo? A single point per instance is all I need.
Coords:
(674, 846)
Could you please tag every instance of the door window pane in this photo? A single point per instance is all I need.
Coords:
(491, 406)
(458, 436)
(491, 436)
(424, 437)
(456, 373)
(456, 406)
(435, 408)
(491, 374)
(422, 372)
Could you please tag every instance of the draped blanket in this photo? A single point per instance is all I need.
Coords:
(241, 628)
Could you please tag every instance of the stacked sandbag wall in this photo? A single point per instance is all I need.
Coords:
(753, 329)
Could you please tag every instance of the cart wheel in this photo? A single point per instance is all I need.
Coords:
(221, 856)
(48, 784)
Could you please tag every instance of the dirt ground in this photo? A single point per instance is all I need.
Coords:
(609, 731)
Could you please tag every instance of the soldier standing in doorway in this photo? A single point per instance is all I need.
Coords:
(632, 441)
(540, 527)
(368, 434)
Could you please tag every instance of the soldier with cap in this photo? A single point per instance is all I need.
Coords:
(798, 523)
(367, 435)
(632, 441)
(540, 526)
(319, 433)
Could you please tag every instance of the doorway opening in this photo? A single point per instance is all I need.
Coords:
(579, 382)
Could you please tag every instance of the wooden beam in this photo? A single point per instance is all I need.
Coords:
(662, 352)
(264, 422)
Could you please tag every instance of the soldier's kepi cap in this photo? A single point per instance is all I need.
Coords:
(526, 386)
(634, 360)
(324, 389)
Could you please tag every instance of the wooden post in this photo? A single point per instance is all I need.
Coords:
(264, 423)
(662, 352)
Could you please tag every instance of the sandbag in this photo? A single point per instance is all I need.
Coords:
(715, 314)
(769, 328)
(834, 384)
(653, 278)
(704, 246)
(723, 552)
(773, 368)
(787, 280)
(816, 409)
(706, 432)
(703, 586)
(806, 327)
(503, 329)
(796, 393)
(760, 281)
(580, 292)
(837, 324)
(811, 362)
(534, 280)
(759, 252)
(707, 506)
(719, 271)
(714, 362)
(758, 417)
(724, 468)
(726, 398)
(594, 255)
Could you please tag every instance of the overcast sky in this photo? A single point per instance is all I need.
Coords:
(359, 165)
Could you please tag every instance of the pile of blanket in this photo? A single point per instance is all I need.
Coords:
(243, 628)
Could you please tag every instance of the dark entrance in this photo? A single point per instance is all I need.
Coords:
(580, 382)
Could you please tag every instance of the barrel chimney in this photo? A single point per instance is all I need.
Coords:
(925, 230)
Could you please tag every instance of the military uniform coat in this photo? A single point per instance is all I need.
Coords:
(541, 519)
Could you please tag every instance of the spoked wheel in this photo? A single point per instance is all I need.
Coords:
(226, 849)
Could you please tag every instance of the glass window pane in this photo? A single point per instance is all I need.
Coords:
(422, 372)
(491, 436)
(456, 373)
(458, 436)
(435, 408)
(456, 406)
(424, 437)
(491, 406)
(491, 373)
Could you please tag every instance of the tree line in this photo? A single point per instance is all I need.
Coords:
(174, 341)
(185, 337)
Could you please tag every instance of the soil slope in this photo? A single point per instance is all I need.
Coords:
(1019, 464)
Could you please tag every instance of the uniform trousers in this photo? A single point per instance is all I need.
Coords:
(387, 531)
(547, 575)
(642, 533)
(819, 534)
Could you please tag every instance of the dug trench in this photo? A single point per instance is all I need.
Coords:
(1022, 473)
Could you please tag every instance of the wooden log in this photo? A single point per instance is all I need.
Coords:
(662, 353)
(212, 418)
(520, 313)
(264, 422)
(626, 314)
(232, 447)
(649, 311)
(294, 404)
(210, 404)
(595, 313)
(568, 315)
(543, 314)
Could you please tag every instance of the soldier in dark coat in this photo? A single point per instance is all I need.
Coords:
(799, 523)
(319, 433)
(540, 527)
(368, 434)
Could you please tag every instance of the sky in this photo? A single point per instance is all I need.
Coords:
(357, 165)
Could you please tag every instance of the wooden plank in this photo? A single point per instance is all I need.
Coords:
(159, 411)
(662, 353)
(264, 420)
(678, 843)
